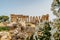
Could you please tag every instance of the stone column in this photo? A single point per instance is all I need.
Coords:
(27, 18)
(36, 20)
(30, 18)
(43, 18)
(39, 19)
(33, 19)
(47, 17)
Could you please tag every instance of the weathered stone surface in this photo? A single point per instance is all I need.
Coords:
(5, 35)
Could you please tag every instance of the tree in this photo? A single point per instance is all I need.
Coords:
(5, 18)
(56, 7)
(44, 33)
(56, 11)
(56, 36)
(31, 38)
(0, 18)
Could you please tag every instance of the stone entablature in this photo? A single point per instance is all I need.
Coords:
(33, 19)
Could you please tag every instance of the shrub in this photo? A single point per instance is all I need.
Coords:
(4, 28)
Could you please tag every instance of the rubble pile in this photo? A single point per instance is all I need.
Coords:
(4, 35)
(21, 32)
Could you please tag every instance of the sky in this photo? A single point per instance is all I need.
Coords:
(26, 7)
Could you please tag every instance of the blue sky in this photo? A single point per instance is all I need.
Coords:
(26, 7)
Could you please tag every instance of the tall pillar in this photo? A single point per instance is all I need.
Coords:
(30, 18)
(43, 18)
(33, 19)
(47, 17)
(36, 20)
(39, 19)
(25, 18)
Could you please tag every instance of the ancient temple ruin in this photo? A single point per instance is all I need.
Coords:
(33, 19)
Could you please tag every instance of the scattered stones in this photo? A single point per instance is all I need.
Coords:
(5, 35)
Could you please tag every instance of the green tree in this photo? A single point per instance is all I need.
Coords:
(31, 38)
(45, 32)
(5, 18)
(56, 11)
(0, 18)
(56, 7)
(56, 36)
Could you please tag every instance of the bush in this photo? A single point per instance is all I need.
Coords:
(4, 28)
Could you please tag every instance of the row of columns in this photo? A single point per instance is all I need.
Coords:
(30, 18)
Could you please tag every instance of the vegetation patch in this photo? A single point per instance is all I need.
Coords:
(4, 28)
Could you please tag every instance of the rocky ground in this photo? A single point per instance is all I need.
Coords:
(18, 32)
